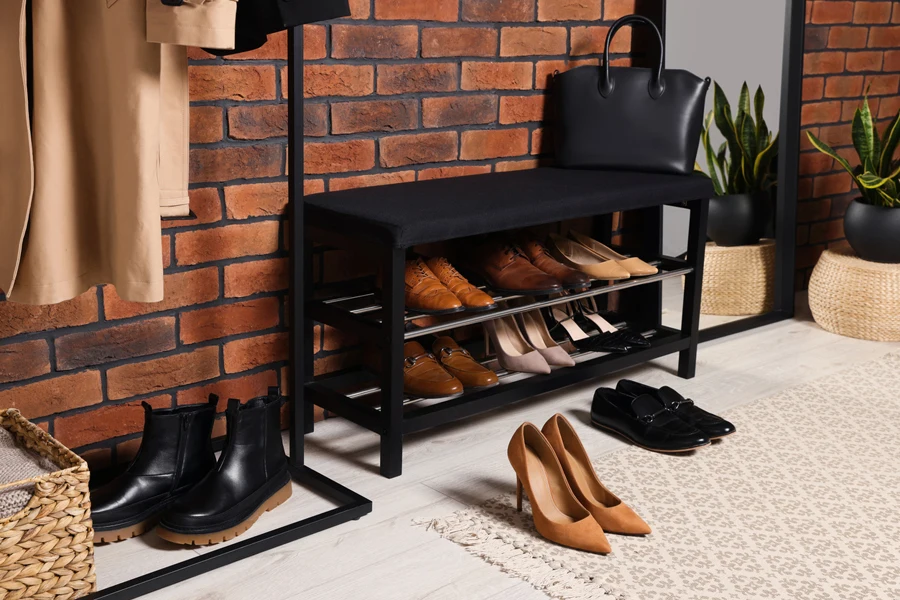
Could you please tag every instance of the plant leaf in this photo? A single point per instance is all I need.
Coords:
(759, 103)
(894, 173)
(885, 199)
(722, 158)
(711, 157)
(764, 159)
(744, 100)
(889, 144)
(864, 136)
(871, 181)
(748, 145)
(826, 149)
(736, 181)
(763, 135)
(725, 123)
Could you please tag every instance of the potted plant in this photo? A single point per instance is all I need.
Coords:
(742, 169)
(871, 224)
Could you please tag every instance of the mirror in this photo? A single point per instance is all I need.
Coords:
(734, 43)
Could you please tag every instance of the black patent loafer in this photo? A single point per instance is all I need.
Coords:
(644, 421)
(714, 426)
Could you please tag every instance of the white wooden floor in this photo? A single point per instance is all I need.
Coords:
(383, 557)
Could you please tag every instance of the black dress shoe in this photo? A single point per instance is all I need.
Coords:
(175, 454)
(250, 478)
(645, 421)
(714, 426)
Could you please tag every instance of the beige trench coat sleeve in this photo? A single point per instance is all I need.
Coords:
(203, 23)
(16, 166)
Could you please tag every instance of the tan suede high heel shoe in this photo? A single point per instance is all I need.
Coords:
(557, 513)
(613, 515)
(634, 265)
(575, 256)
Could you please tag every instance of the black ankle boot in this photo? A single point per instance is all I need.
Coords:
(250, 478)
(175, 454)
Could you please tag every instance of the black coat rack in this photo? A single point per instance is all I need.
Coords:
(350, 505)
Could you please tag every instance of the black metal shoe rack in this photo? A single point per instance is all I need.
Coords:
(377, 401)
(350, 505)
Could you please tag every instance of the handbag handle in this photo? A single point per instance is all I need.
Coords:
(657, 83)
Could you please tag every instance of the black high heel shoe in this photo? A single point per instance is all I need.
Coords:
(588, 309)
(566, 326)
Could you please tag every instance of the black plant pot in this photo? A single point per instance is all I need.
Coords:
(740, 219)
(873, 231)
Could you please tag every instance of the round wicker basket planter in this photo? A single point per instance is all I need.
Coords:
(854, 297)
(738, 280)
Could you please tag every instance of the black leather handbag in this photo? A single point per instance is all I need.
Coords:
(628, 118)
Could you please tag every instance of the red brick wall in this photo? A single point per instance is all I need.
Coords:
(404, 90)
(850, 47)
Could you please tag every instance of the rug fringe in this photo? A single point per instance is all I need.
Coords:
(465, 528)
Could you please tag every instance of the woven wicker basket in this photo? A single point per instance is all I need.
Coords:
(47, 548)
(854, 297)
(738, 280)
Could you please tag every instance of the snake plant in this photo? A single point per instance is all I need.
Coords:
(745, 162)
(878, 175)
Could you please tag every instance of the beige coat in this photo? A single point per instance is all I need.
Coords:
(83, 187)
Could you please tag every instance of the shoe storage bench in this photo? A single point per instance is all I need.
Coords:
(386, 221)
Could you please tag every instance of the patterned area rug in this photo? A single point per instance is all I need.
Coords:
(803, 503)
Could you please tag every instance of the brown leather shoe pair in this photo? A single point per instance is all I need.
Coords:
(505, 268)
(569, 504)
(434, 287)
(446, 372)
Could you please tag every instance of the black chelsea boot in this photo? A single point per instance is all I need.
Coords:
(250, 478)
(175, 454)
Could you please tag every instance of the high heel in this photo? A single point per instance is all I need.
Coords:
(588, 309)
(518, 494)
(514, 353)
(613, 515)
(575, 256)
(557, 513)
(563, 324)
(632, 264)
(536, 333)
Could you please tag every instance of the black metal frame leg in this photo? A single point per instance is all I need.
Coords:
(393, 291)
(308, 325)
(693, 285)
(644, 303)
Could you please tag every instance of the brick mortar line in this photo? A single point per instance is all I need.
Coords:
(178, 350)
(52, 334)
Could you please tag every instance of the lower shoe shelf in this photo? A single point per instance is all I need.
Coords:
(355, 394)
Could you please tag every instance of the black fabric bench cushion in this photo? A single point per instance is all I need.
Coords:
(420, 212)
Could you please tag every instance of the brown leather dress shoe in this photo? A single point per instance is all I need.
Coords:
(425, 293)
(506, 270)
(540, 257)
(459, 363)
(424, 377)
(471, 297)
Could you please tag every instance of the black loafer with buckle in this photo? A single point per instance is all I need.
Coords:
(645, 421)
(714, 426)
